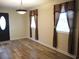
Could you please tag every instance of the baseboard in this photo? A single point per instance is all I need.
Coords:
(17, 38)
(58, 50)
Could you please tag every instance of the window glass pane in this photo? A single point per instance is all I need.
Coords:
(2, 23)
(62, 25)
(33, 25)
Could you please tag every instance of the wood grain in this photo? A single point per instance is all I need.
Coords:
(27, 49)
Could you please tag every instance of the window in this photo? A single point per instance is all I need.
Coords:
(62, 25)
(33, 25)
(2, 23)
(64, 21)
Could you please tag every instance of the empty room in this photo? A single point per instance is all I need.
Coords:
(39, 29)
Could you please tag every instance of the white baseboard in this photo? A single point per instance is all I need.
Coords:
(16, 38)
(58, 50)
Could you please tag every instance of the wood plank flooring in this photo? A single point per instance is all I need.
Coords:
(27, 49)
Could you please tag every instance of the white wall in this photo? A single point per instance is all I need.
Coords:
(46, 26)
(16, 23)
(45, 23)
(63, 41)
(20, 28)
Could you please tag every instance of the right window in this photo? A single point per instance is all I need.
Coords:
(64, 21)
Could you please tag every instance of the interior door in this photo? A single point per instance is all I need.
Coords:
(4, 27)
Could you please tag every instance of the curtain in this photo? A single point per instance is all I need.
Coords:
(35, 14)
(30, 24)
(70, 9)
(57, 10)
(36, 21)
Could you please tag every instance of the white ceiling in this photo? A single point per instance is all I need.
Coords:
(17, 3)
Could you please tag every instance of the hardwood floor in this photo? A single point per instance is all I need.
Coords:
(27, 49)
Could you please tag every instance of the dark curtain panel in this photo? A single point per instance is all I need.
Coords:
(70, 9)
(30, 24)
(35, 14)
(57, 10)
(36, 21)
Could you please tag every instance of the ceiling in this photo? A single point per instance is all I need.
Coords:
(17, 3)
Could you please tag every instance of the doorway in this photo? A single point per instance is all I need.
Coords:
(4, 27)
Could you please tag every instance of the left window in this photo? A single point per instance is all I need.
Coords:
(33, 25)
